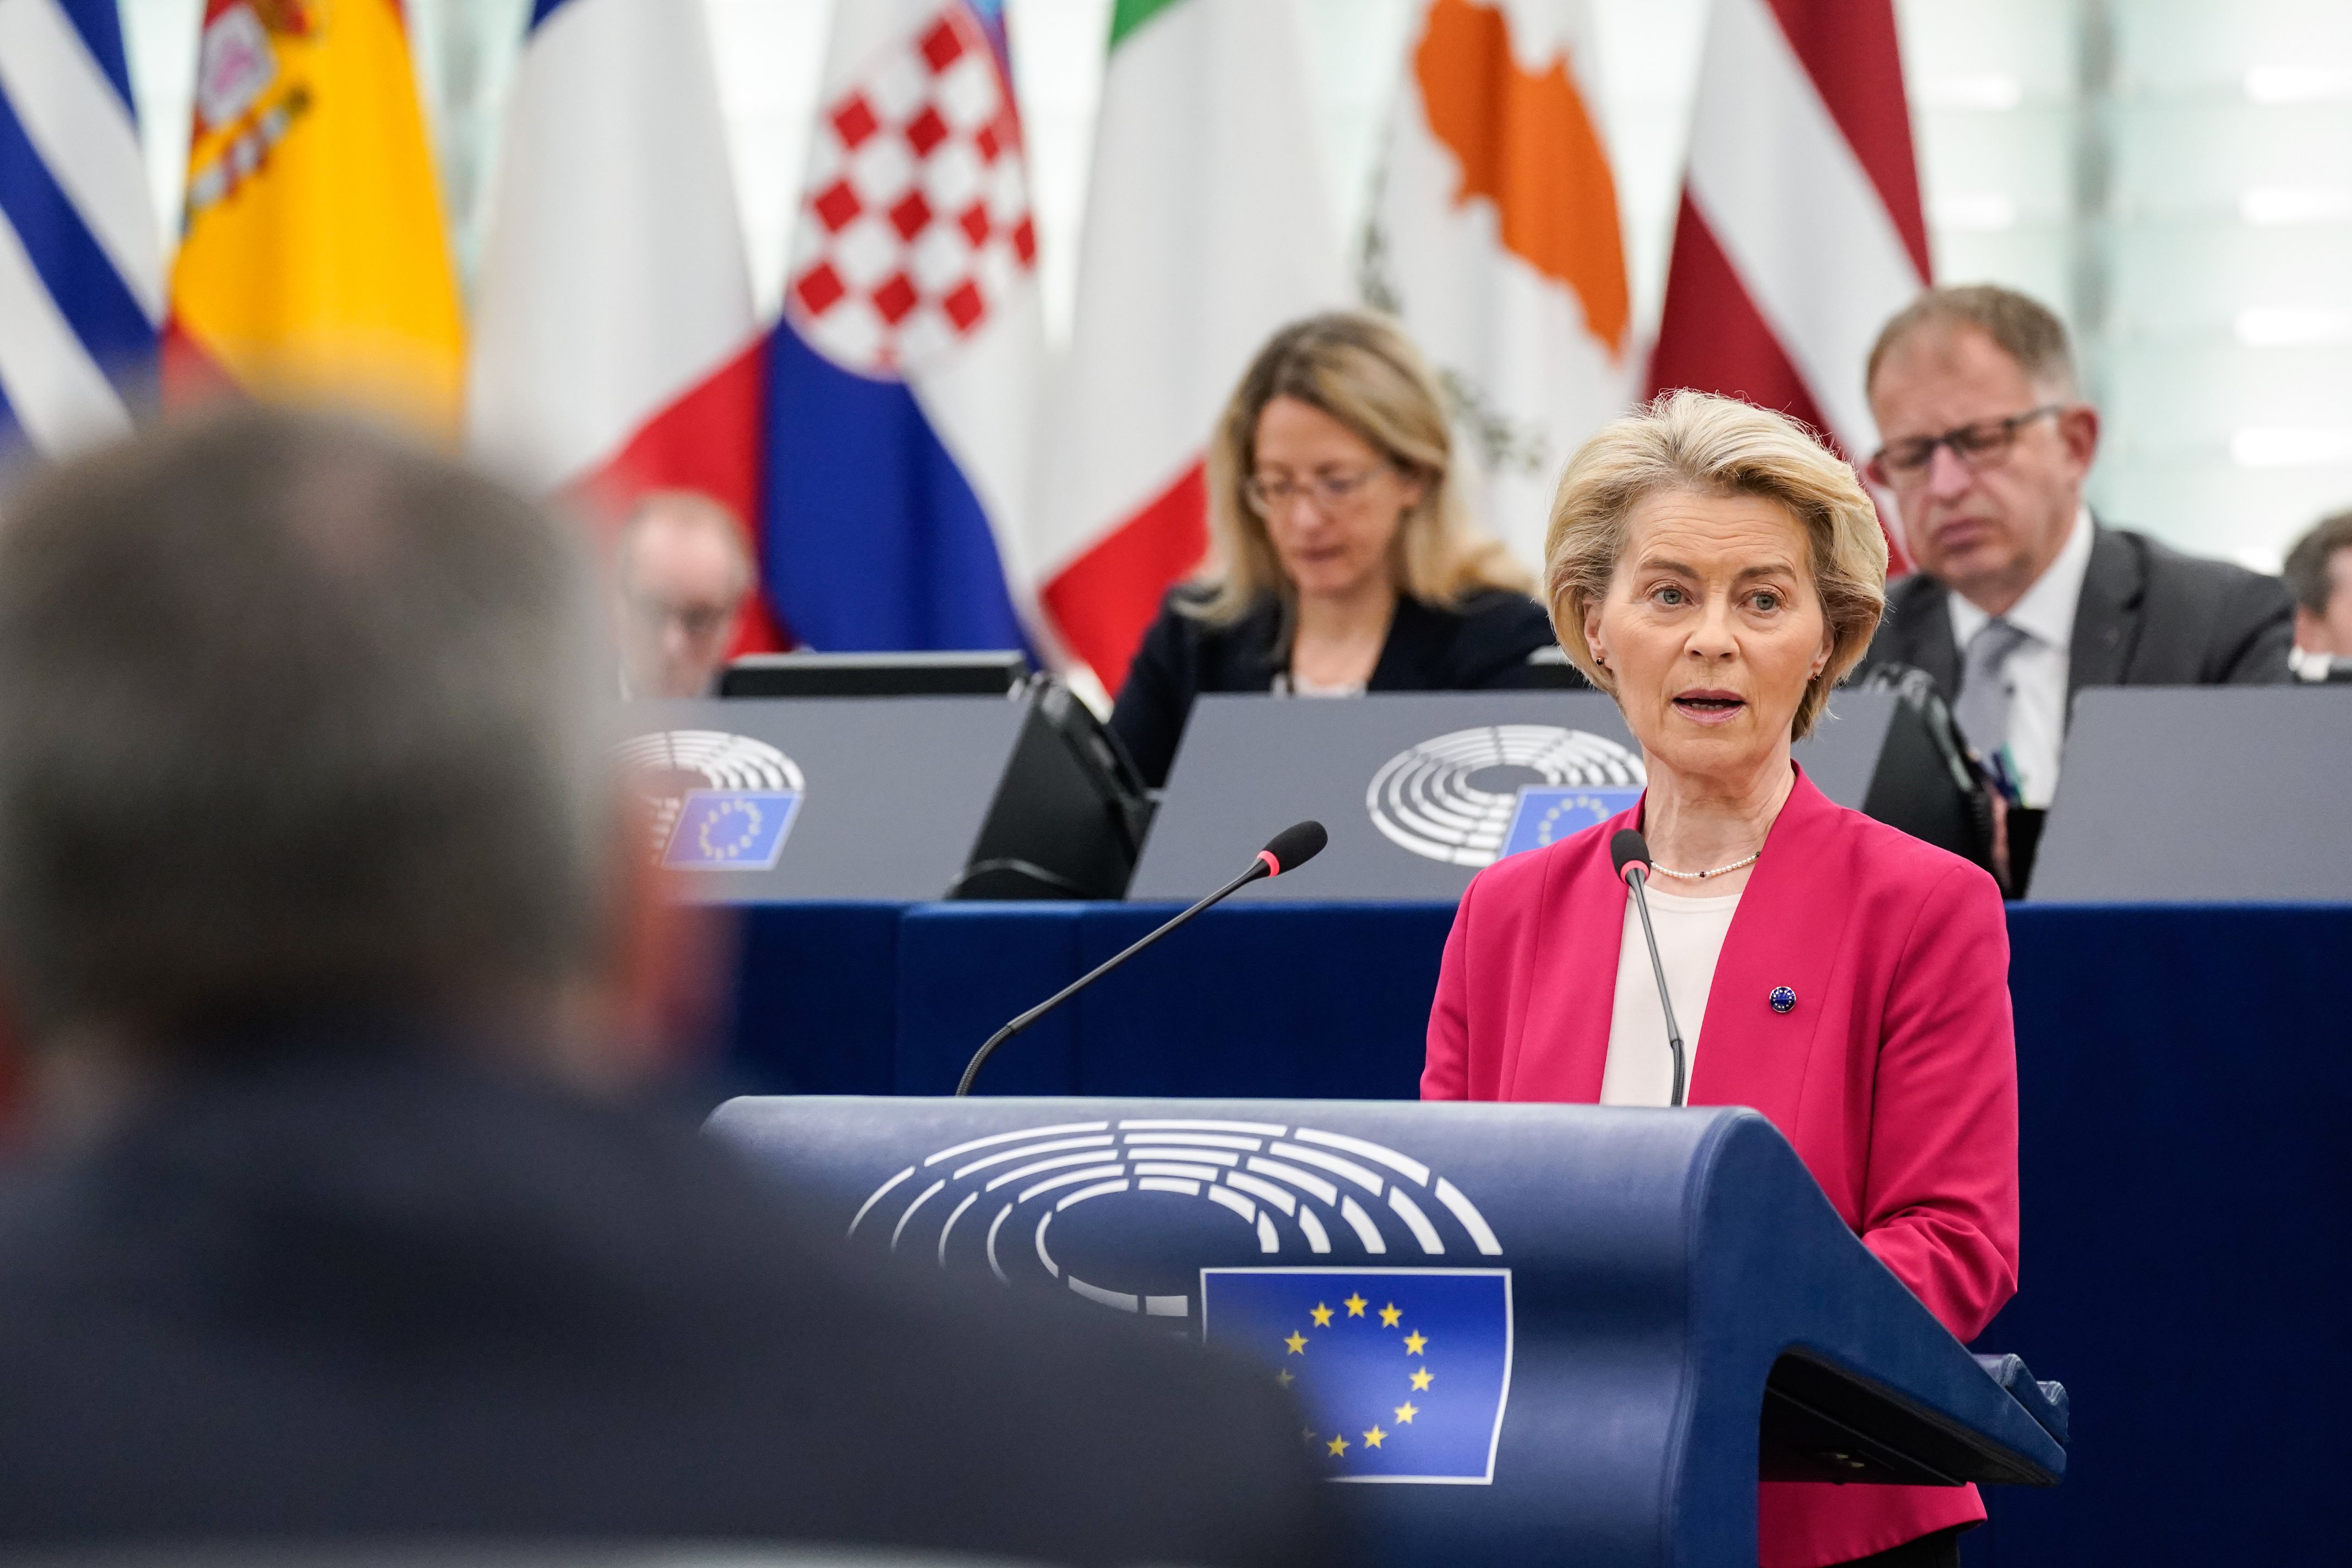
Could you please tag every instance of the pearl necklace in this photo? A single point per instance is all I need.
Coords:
(1703, 876)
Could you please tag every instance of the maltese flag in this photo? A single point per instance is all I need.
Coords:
(902, 379)
(615, 350)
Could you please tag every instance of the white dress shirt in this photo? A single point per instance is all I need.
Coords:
(1640, 1065)
(2037, 671)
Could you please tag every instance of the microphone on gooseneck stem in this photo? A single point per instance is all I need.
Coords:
(1285, 851)
(1630, 852)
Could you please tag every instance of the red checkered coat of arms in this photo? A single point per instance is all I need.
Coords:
(916, 225)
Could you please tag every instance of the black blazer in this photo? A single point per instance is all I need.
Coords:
(348, 1289)
(2150, 615)
(1482, 644)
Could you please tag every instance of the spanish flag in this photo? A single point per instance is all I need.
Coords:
(313, 264)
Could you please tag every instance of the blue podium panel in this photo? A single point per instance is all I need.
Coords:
(1321, 1002)
(963, 970)
(2183, 1171)
(1516, 1332)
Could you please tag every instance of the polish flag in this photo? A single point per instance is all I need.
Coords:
(1208, 226)
(1799, 231)
(1495, 239)
(615, 350)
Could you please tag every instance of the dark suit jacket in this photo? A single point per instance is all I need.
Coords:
(1483, 643)
(2150, 615)
(352, 1289)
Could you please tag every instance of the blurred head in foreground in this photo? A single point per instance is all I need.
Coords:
(1986, 439)
(1717, 570)
(295, 717)
(2319, 575)
(1332, 476)
(681, 574)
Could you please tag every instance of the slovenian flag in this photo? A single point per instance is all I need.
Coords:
(901, 380)
(615, 349)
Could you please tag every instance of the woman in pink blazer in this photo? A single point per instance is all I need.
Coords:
(1717, 570)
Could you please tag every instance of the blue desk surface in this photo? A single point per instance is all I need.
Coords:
(2185, 1268)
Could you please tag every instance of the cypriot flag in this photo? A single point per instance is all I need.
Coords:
(1495, 238)
(1208, 226)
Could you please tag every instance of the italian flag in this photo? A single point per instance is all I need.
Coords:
(1208, 226)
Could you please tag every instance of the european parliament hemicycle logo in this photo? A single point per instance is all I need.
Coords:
(719, 802)
(1404, 1372)
(1457, 797)
(1366, 1282)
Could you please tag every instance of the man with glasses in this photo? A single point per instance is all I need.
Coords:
(2022, 597)
(681, 574)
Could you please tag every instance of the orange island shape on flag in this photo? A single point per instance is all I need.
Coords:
(313, 264)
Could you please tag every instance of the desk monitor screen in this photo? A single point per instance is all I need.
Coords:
(996, 673)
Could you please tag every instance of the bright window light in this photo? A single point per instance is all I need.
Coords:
(1987, 89)
(2285, 205)
(2290, 446)
(1974, 211)
(2296, 84)
(2261, 329)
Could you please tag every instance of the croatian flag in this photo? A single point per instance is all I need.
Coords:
(81, 268)
(902, 379)
(615, 350)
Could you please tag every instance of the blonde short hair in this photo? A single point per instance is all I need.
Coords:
(1366, 374)
(1700, 444)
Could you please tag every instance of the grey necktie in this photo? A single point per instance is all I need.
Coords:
(1983, 708)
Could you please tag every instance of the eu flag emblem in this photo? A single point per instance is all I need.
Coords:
(1404, 1372)
(730, 829)
(1545, 815)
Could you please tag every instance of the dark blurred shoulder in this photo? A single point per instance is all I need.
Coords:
(1483, 641)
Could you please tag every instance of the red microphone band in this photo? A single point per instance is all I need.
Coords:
(1273, 866)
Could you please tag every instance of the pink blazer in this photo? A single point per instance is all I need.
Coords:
(1895, 1075)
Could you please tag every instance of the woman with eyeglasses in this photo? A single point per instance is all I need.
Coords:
(1344, 559)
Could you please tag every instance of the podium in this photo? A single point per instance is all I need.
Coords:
(1538, 1333)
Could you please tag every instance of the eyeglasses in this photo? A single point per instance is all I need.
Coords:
(1327, 492)
(698, 622)
(1902, 464)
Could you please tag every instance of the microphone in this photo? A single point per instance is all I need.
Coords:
(1630, 852)
(1285, 851)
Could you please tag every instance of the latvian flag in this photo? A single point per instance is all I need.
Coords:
(615, 350)
(1799, 231)
(902, 377)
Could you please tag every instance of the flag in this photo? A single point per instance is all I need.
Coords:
(615, 350)
(901, 379)
(81, 267)
(1208, 226)
(1493, 238)
(1800, 231)
(1403, 1372)
(313, 260)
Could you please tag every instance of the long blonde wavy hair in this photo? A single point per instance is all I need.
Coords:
(1366, 374)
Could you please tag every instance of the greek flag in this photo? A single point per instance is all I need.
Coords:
(81, 269)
